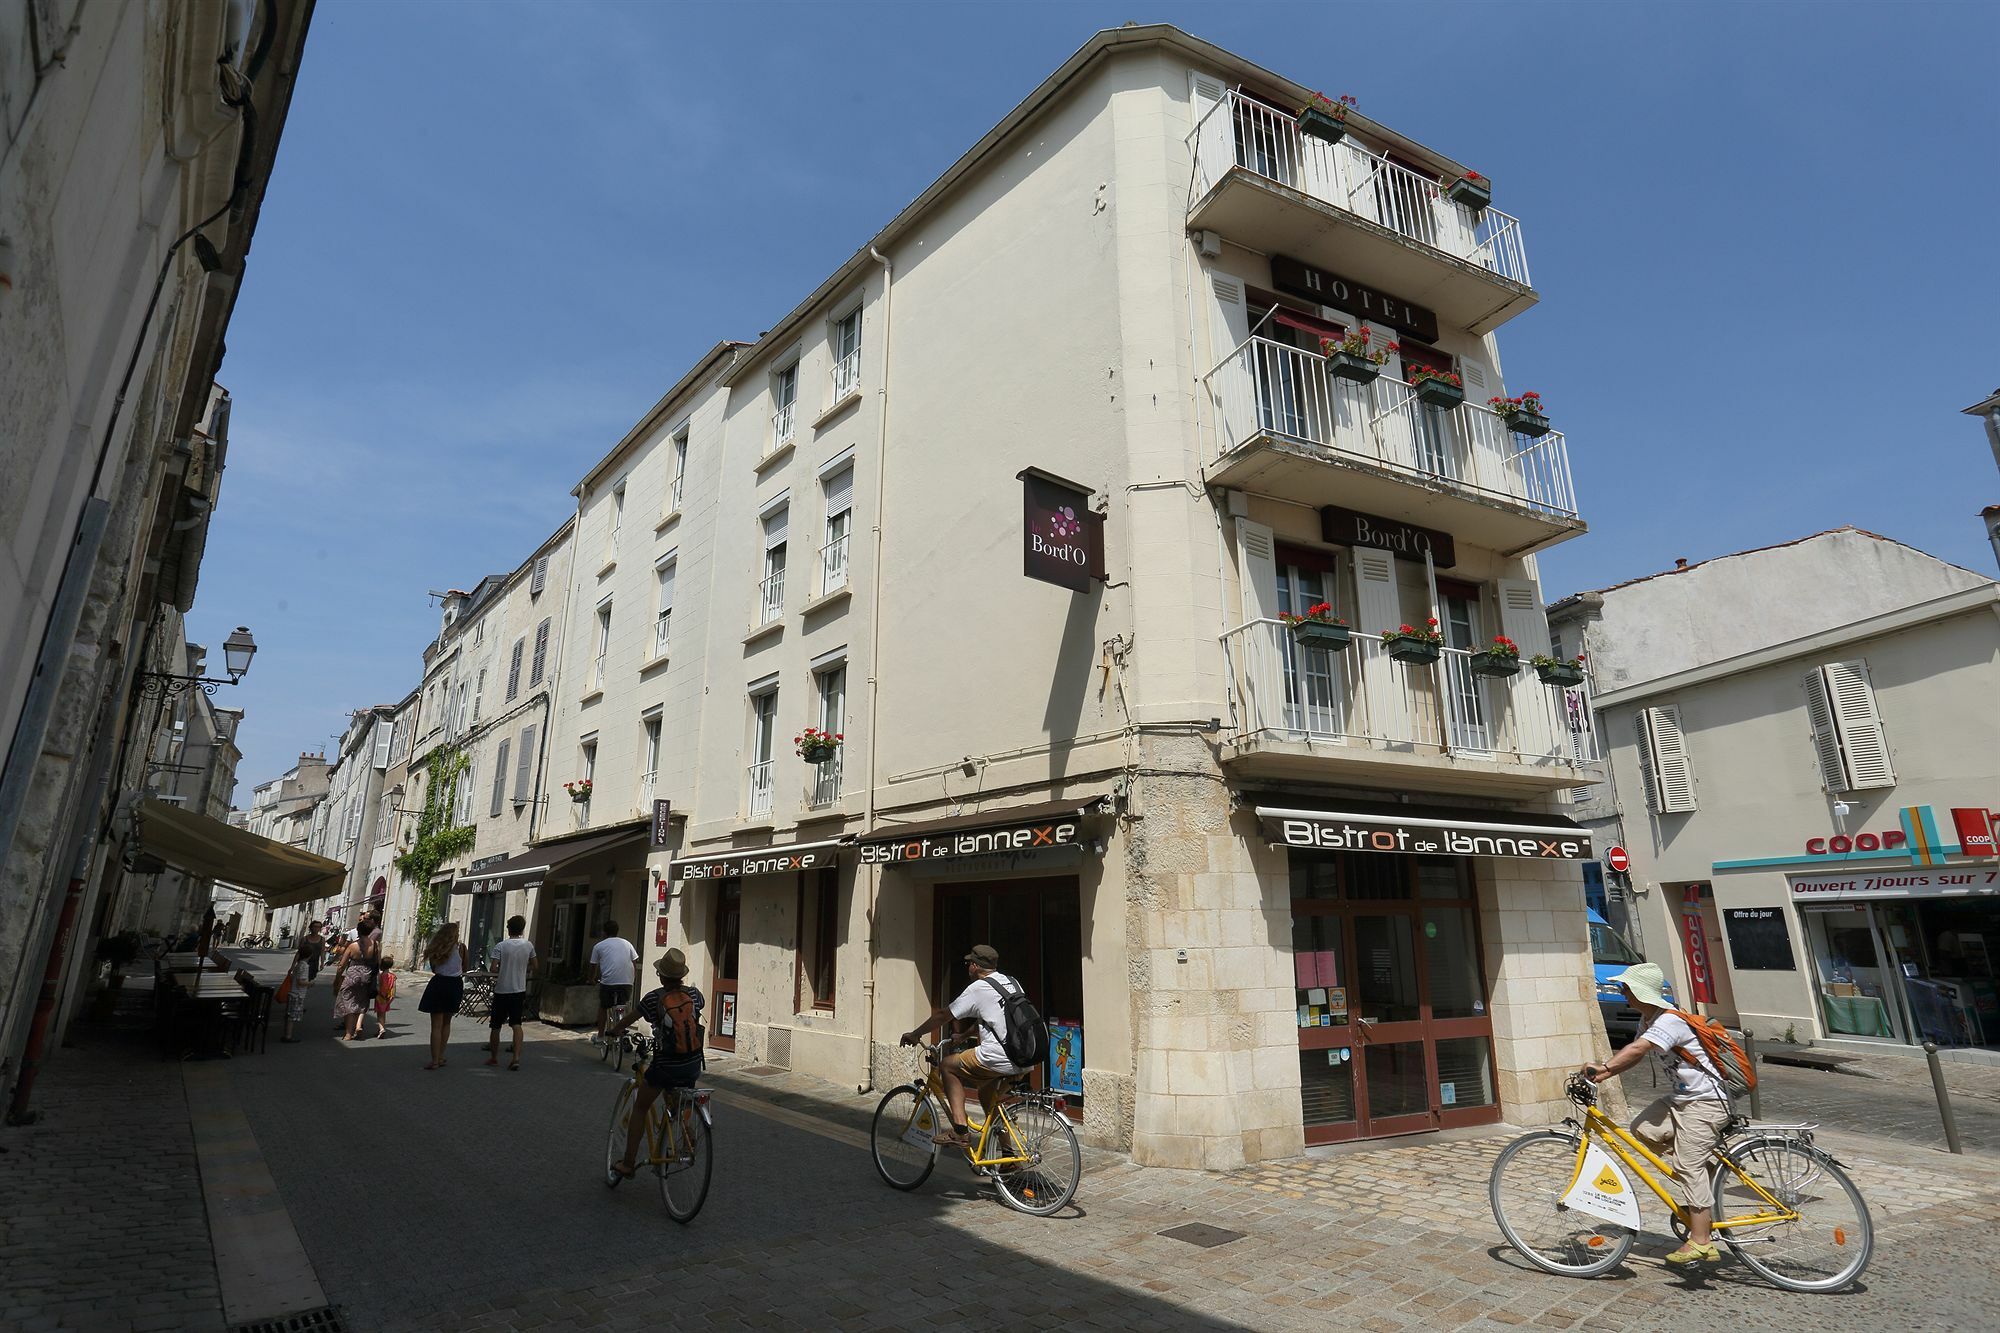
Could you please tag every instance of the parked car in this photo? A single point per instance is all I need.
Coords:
(1610, 955)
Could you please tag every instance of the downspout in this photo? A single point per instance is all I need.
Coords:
(874, 873)
(555, 676)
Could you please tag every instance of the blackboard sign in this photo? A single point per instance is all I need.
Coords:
(1759, 940)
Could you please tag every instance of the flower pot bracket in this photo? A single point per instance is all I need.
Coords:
(1438, 393)
(1320, 634)
(1534, 425)
(1474, 194)
(1495, 664)
(1415, 650)
(1354, 367)
(1565, 674)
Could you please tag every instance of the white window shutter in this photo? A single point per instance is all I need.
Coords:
(499, 778)
(1522, 617)
(540, 578)
(1668, 775)
(840, 492)
(1862, 744)
(667, 573)
(1826, 740)
(384, 733)
(774, 528)
(524, 766)
(541, 653)
(1257, 570)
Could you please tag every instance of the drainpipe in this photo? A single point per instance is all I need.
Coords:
(874, 873)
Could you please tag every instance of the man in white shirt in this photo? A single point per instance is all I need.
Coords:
(985, 1066)
(612, 963)
(1685, 1127)
(513, 962)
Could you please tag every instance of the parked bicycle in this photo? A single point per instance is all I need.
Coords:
(1026, 1146)
(613, 1050)
(1564, 1199)
(678, 1141)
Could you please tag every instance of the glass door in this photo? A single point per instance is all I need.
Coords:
(1312, 678)
(1389, 1022)
(1465, 700)
(722, 998)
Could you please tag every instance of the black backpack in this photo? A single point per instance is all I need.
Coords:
(1022, 1034)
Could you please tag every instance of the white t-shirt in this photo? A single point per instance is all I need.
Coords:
(613, 958)
(1669, 1034)
(982, 1002)
(509, 960)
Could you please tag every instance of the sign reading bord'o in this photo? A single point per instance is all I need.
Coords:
(1062, 541)
(1615, 858)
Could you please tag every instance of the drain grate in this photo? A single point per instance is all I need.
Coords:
(1202, 1234)
(323, 1320)
(760, 1071)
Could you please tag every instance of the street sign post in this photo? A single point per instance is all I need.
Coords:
(1615, 858)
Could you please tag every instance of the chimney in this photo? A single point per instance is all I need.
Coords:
(1680, 562)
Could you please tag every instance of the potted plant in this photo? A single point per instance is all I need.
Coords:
(1502, 657)
(816, 746)
(1324, 118)
(1524, 415)
(1472, 189)
(1319, 627)
(1408, 643)
(1564, 671)
(579, 791)
(1439, 388)
(1351, 358)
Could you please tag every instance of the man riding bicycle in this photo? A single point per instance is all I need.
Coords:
(674, 1011)
(985, 1066)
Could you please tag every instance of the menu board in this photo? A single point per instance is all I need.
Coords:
(1759, 939)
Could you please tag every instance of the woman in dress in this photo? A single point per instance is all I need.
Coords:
(356, 990)
(446, 990)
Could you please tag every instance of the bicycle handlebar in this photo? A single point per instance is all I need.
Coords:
(1580, 1089)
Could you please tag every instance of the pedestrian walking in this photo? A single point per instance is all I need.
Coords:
(385, 994)
(315, 940)
(298, 981)
(513, 962)
(357, 979)
(445, 991)
(612, 962)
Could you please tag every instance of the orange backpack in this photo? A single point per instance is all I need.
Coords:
(1724, 1052)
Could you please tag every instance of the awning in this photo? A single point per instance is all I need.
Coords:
(1426, 830)
(283, 876)
(1023, 828)
(1318, 328)
(527, 870)
(773, 860)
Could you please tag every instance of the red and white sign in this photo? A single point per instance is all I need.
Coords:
(1975, 831)
(1888, 840)
(1615, 858)
(1701, 983)
(660, 932)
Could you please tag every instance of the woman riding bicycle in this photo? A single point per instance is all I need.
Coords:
(674, 1011)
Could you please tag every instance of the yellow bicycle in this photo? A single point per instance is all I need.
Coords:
(1026, 1146)
(679, 1142)
(1564, 1199)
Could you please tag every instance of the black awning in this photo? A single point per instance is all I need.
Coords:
(775, 859)
(1424, 830)
(1021, 828)
(527, 870)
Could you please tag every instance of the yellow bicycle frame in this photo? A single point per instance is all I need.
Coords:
(1622, 1144)
(976, 1154)
(659, 1125)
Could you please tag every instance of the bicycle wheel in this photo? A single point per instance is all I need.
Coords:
(901, 1136)
(1833, 1238)
(690, 1159)
(1529, 1180)
(1048, 1181)
(614, 1144)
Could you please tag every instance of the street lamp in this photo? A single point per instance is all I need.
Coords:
(237, 650)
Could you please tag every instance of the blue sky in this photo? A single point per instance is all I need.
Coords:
(1762, 235)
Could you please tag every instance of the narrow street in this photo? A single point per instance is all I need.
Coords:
(470, 1198)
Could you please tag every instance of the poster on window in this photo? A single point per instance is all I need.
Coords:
(1066, 1056)
(725, 1022)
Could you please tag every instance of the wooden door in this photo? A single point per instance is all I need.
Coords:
(722, 994)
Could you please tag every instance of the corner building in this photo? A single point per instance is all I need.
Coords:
(1270, 894)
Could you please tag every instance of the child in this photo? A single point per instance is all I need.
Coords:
(385, 991)
(304, 963)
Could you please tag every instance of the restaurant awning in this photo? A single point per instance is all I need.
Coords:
(1425, 830)
(527, 870)
(1022, 828)
(283, 876)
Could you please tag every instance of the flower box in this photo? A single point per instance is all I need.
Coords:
(818, 757)
(1561, 673)
(1438, 393)
(1321, 634)
(1415, 650)
(1353, 366)
(1322, 125)
(1523, 422)
(1475, 193)
(1489, 663)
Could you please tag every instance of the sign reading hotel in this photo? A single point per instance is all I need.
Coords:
(1062, 541)
(1859, 884)
(1431, 837)
(1405, 541)
(759, 861)
(889, 850)
(1316, 284)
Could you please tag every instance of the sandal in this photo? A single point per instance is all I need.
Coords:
(514, 1064)
(624, 1172)
(432, 1065)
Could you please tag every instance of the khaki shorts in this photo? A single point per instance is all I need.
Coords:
(1685, 1136)
(965, 1066)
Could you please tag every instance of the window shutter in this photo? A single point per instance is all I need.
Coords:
(524, 766)
(540, 578)
(514, 669)
(384, 734)
(499, 778)
(1257, 570)
(774, 528)
(1204, 92)
(1847, 728)
(667, 572)
(541, 653)
(1825, 739)
(840, 492)
(1522, 618)
(1669, 779)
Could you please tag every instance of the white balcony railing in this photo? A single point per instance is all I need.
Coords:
(662, 632)
(771, 598)
(760, 789)
(1267, 388)
(825, 788)
(597, 681)
(1360, 696)
(846, 375)
(674, 495)
(782, 422)
(833, 565)
(1240, 132)
(646, 785)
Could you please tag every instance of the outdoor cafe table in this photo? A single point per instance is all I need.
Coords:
(206, 992)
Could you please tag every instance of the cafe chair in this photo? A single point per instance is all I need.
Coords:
(248, 1025)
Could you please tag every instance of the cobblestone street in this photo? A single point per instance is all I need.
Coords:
(470, 1198)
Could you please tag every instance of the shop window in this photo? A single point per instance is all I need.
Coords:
(1465, 1072)
(819, 938)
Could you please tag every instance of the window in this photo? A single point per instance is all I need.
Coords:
(771, 591)
(603, 640)
(679, 487)
(617, 519)
(839, 490)
(524, 766)
(832, 685)
(649, 759)
(1663, 760)
(784, 403)
(466, 782)
(540, 578)
(514, 669)
(385, 819)
(478, 693)
(463, 717)
(499, 778)
(586, 769)
(845, 343)
(399, 741)
(1846, 728)
(663, 626)
(819, 937)
(763, 736)
(541, 654)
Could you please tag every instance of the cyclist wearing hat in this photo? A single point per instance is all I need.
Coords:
(1685, 1127)
(674, 1011)
(985, 1066)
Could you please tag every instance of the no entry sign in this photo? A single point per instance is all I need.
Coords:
(1615, 858)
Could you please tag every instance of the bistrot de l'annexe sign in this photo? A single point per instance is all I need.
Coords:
(1423, 833)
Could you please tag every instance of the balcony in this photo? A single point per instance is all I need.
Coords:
(1283, 425)
(783, 425)
(760, 790)
(1263, 184)
(833, 565)
(1359, 715)
(771, 598)
(825, 787)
